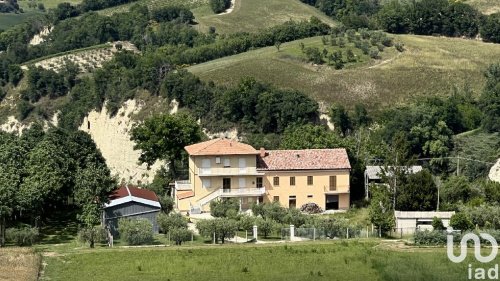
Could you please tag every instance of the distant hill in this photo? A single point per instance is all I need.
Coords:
(429, 65)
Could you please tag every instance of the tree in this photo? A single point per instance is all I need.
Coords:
(490, 30)
(310, 137)
(456, 189)
(222, 228)
(340, 119)
(172, 221)
(380, 210)
(219, 6)
(461, 221)
(93, 186)
(360, 117)
(163, 137)
(223, 207)
(179, 235)
(437, 224)
(490, 99)
(277, 44)
(418, 193)
(11, 163)
(266, 226)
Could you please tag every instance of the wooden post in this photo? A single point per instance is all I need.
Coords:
(214, 237)
(347, 233)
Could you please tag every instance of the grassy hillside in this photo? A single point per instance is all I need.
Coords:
(252, 15)
(429, 65)
(486, 6)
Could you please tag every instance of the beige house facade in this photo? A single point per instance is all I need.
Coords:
(223, 168)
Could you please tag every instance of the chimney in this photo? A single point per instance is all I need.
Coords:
(262, 152)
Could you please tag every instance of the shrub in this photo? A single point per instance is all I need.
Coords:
(430, 237)
(167, 203)
(437, 224)
(399, 46)
(179, 235)
(461, 221)
(136, 231)
(92, 234)
(313, 54)
(266, 226)
(23, 236)
(219, 6)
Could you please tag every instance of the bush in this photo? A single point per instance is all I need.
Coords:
(93, 234)
(136, 231)
(266, 226)
(437, 224)
(23, 236)
(461, 221)
(219, 6)
(399, 46)
(179, 235)
(437, 237)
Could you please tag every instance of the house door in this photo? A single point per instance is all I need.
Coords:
(226, 183)
(332, 202)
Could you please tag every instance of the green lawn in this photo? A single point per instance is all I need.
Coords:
(253, 15)
(429, 65)
(311, 261)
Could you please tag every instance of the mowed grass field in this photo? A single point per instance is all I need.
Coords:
(19, 264)
(152, 4)
(253, 15)
(333, 260)
(428, 66)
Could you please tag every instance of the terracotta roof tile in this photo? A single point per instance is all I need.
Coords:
(220, 147)
(307, 159)
(184, 195)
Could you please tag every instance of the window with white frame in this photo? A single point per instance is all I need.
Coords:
(206, 183)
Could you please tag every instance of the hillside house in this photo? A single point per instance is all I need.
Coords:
(223, 168)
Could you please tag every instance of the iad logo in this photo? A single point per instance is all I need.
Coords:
(477, 273)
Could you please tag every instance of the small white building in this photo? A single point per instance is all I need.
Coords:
(373, 174)
(409, 222)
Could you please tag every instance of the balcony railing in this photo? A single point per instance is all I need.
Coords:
(229, 171)
(337, 189)
(183, 185)
(237, 192)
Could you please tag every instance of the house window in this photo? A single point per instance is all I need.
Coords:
(309, 180)
(292, 181)
(217, 160)
(309, 196)
(333, 183)
(206, 183)
(259, 182)
(276, 198)
(276, 181)
(227, 162)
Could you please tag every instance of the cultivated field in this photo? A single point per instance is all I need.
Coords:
(19, 264)
(429, 65)
(334, 260)
(250, 16)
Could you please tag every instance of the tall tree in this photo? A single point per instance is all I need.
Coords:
(490, 99)
(93, 186)
(163, 137)
(310, 136)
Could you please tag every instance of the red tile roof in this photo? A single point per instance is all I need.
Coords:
(220, 147)
(307, 159)
(134, 191)
(184, 195)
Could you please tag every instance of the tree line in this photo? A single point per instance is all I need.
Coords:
(41, 172)
(424, 17)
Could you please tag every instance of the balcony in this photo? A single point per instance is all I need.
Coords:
(183, 185)
(229, 171)
(239, 192)
(337, 190)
